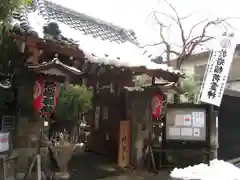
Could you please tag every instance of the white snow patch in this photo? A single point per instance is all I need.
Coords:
(217, 170)
(102, 52)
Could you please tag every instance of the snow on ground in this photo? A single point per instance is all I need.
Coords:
(217, 170)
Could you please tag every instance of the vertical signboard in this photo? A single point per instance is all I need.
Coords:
(4, 142)
(217, 71)
(124, 144)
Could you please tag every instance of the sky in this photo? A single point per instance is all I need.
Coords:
(136, 15)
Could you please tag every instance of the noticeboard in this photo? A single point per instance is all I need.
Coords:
(186, 124)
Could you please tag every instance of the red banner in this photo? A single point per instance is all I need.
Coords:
(156, 105)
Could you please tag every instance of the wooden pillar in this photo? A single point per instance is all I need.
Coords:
(213, 134)
(67, 82)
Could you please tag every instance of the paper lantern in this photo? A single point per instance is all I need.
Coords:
(156, 105)
(45, 96)
(50, 96)
(38, 95)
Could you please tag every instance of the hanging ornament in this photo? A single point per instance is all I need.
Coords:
(38, 94)
(45, 96)
(49, 100)
(156, 105)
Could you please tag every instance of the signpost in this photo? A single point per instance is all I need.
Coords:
(217, 71)
(124, 143)
(4, 142)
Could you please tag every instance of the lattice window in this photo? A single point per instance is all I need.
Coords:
(199, 71)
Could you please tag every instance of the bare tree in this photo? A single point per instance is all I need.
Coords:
(189, 41)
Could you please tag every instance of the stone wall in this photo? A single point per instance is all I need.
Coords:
(27, 127)
(28, 130)
(138, 107)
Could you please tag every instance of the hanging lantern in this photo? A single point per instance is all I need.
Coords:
(45, 96)
(38, 95)
(50, 95)
(156, 105)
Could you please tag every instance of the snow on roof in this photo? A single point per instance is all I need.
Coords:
(55, 61)
(118, 53)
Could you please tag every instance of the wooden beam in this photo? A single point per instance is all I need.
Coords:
(51, 46)
(76, 53)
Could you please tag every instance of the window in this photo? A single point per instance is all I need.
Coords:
(199, 72)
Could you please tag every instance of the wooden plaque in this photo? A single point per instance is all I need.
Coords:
(124, 144)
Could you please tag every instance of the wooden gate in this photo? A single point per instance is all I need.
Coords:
(229, 126)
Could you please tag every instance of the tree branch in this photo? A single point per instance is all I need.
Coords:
(194, 26)
(189, 43)
(178, 22)
(203, 35)
(155, 44)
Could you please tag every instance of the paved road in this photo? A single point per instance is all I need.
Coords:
(89, 166)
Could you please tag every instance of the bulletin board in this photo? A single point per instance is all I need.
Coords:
(186, 124)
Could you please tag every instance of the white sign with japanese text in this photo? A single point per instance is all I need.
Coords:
(217, 71)
(4, 142)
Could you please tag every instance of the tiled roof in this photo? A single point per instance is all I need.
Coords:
(101, 42)
(84, 23)
(89, 25)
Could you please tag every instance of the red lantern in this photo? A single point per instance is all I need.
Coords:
(50, 95)
(45, 96)
(156, 105)
(38, 95)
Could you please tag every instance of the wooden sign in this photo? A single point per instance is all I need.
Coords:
(124, 144)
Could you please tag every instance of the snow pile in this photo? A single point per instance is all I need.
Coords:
(218, 169)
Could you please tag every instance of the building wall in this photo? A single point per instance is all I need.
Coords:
(189, 67)
(228, 127)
